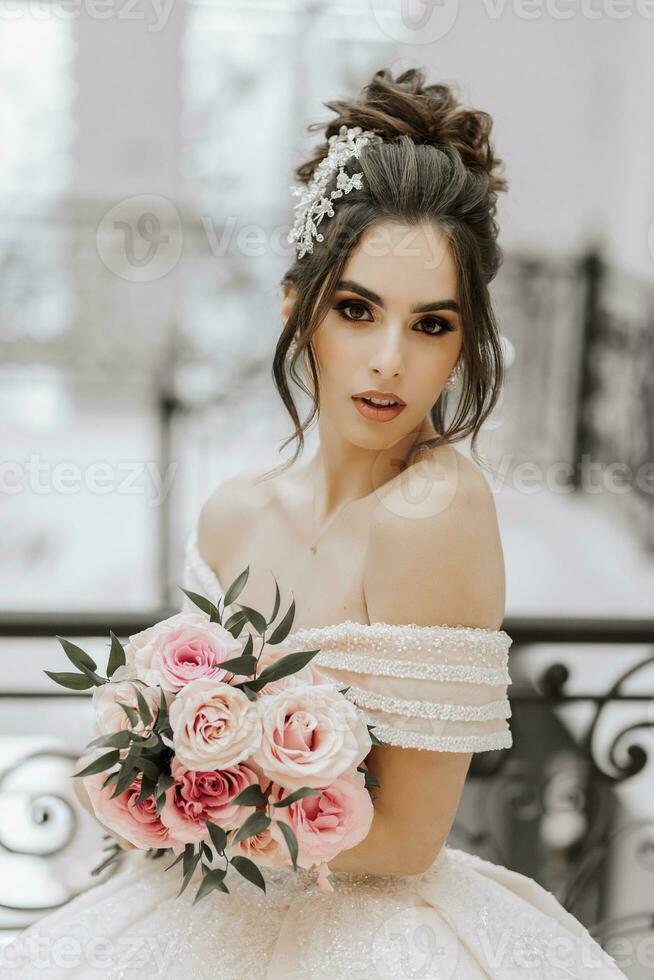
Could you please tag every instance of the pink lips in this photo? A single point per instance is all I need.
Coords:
(377, 413)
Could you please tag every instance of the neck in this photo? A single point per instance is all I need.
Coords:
(340, 472)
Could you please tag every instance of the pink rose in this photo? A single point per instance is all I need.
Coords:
(264, 849)
(307, 675)
(180, 649)
(136, 822)
(325, 825)
(214, 725)
(198, 796)
(311, 735)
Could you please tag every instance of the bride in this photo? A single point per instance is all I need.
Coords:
(387, 539)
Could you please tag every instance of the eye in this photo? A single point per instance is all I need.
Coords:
(348, 304)
(443, 326)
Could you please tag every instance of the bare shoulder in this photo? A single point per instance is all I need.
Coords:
(434, 552)
(233, 502)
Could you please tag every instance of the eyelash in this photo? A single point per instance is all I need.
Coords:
(446, 327)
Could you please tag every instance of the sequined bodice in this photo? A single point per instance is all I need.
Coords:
(439, 688)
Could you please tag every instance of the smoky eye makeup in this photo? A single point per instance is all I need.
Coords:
(436, 325)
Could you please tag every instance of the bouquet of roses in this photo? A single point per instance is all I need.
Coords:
(220, 754)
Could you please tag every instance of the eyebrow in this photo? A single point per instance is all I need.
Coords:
(355, 287)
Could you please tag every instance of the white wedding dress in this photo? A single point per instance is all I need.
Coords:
(438, 688)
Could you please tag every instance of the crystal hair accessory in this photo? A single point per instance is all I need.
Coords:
(314, 205)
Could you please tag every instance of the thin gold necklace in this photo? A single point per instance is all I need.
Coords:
(314, 546)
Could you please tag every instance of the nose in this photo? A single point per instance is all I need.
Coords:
(387, 355)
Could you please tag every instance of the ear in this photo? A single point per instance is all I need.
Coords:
(288, 302)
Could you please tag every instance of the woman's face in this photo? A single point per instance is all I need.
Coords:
(394, 327)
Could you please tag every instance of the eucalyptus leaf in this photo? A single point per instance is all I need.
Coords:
(218, 836)
(117, 656)
(249, 870)
(276, 603)
(76, 655)
(100, 764)
(237, 586)
(282, 629)
(258, 621)
(212, 881)
(291, 841)
(286, 665)
(298, 794)
(254, 824)
(245, 665)
(202, 603)
(251, 796)
(144, 709)
(74, 682)
(130, 712)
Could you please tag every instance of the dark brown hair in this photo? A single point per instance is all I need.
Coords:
(436, 164)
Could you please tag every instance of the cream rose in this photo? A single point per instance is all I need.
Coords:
(311, 735)
(214, 725)
(109, 715)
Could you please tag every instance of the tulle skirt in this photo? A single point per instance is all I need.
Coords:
(464, 918)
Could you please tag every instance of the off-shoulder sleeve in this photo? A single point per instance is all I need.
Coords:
(197, 576)
(442, 688)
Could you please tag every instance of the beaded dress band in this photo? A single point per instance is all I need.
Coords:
(439, 688)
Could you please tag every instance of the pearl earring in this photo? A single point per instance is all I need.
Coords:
(453, 377)
(291, 350)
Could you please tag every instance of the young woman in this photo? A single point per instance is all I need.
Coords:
(387, 540)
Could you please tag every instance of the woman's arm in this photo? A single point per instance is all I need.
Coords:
(438, 562)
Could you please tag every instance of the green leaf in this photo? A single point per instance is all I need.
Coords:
(255, 824)
(373, 738)
(218, 836)
(291, 841)
(76, 655)
(249, 870)
(144, 710)
(286, 665)
(74, 682)
(151, 742)
(119, 740)
(148, 786)
(282, 629)
(202, 603)
(206, 850)
(258, 621)
(100, 764)
(128, 774)
(235, 623)
(237, 586)
(164, 782)
(245, 665)
(369, 777)
(276, 603)
(251, 796)
(298, 794)
(176, 861)
(212, 881)
(130, 712)
(191, 865)
(112, 778)
(117, 656)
